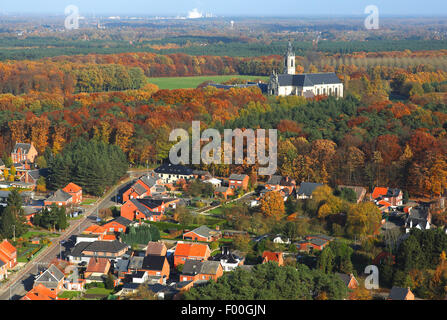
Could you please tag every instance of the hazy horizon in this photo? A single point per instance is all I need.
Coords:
(247, 8)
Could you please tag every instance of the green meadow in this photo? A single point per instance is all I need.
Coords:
(193, 82)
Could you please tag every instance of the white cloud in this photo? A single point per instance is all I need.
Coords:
(194, 14)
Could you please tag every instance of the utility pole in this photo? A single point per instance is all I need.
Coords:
(14, 232)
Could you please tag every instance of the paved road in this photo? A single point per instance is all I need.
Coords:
(23, 280)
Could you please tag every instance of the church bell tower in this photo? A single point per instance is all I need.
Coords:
(289, 60)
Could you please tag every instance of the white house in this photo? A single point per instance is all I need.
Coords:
(227, 260)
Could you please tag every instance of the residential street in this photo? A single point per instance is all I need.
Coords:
(23, 280)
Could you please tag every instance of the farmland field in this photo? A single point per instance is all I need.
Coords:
(193, 82)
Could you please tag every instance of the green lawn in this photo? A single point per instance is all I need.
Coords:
(193, 82)
(88, 201)
(219, 211)
(69, 294)
(99, 291)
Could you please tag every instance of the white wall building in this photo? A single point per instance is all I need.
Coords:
(306, 84)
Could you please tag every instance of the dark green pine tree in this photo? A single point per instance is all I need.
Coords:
(7, 223)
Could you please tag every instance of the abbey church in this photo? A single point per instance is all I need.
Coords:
(306, 84)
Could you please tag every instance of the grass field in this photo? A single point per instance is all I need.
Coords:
(193, 82)
(69, 294)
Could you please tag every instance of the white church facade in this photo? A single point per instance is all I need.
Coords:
(306, 84)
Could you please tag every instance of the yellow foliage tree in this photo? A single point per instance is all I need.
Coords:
(272, 205)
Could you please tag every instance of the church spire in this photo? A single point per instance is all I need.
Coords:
(289, 60)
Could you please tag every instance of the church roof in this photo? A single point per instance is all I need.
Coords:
(308, 79)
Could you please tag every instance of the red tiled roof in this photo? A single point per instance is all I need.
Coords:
(4, 257)
(98, 265)
(72, 188)
(95, 229)
(40, 292)
(384, 203)
(109, 237)
(7, 248)
(378, 191)
(191, 249)
(271, 256)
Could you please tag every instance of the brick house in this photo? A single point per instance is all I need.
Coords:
(119, 224)
(96, 230)
(202, 233)
(238, 181)
(314, 242)
(224, 192)
(40, 292)
(190, 251)
(59, 198)
(277, 257)
(30, 176)
(144, 187)
(97, 268)
(8, 254)
(75, 191)
(143, 209)
(277, 183)
(156, 249)
(156, 266)
(391, 195)
(24, 152)
(52, 278)
(194, 270)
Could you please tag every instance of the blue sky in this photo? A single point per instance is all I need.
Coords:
(228, 7)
